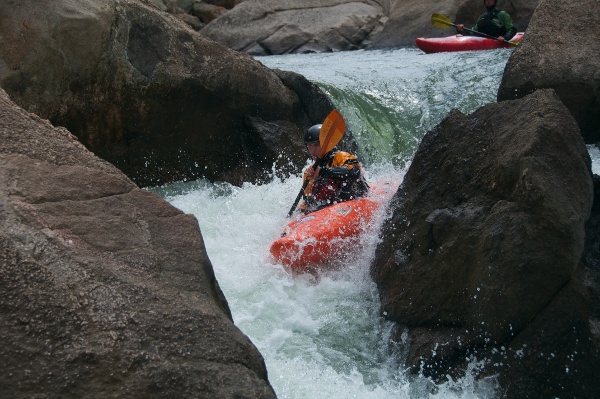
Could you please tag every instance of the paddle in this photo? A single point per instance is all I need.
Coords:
(442, 21)
(331, 133)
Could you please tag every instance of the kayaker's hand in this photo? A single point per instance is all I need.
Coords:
(460, 27)
(312, 173)
(501, 38)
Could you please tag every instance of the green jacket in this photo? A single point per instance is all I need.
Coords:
(494, 23)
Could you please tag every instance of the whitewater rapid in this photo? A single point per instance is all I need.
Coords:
(327, 339)
(320, 339)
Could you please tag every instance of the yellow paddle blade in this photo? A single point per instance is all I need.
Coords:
(331, 132)
(441, 21)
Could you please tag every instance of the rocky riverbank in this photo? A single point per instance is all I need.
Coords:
(106, 290)
(269, 27)
(151, 96)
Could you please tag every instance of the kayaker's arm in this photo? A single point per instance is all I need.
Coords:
(504, 19)
(511, 30)
(460, 28)
(347, 167)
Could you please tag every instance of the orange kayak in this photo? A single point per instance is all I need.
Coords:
(315, 240)
(462, 43)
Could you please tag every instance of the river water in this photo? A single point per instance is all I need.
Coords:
(326, 339)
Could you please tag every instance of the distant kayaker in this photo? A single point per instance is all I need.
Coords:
(340, 178)
(493, 22)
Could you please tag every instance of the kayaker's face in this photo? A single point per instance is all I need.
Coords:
(314, 149)
(489, 3)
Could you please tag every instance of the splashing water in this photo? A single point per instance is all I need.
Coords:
(327, 339)
(389, 99)
(594, 151)
(321, 339)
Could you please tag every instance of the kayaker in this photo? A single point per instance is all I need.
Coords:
(494, 22)
(340, 178)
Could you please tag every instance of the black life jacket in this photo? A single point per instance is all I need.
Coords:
(340, 180)
(490, 24)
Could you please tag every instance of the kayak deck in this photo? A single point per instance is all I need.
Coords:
(315, 240)
(462, 43)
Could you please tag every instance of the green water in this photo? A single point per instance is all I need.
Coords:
(391, 98)
(327, 339)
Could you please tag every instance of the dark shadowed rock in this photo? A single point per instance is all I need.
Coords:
(479, 256)
(560, 51)
(207, 12)
(146, 93)
(313, 100)
(590, 261)
(105, 289)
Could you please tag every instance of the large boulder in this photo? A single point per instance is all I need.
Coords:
(479, 257)
(560, 51)
(265, 27)
(105, 289)
(289, 26)
(590, 261)
(148, 94)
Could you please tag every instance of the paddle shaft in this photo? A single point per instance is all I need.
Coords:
(299, 196)
(447, 21)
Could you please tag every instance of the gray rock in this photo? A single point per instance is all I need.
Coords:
(159, 4)
(229, 4)
(282, 27)
(207, 12)
(482, 248)
(146, 93)
(306, 26)
(560, 51)
(189, 19)
(186, 5)
(105, 289)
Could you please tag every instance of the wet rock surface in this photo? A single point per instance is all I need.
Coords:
(479, 258)
(149, 95)
(105, 289)
(558, 52)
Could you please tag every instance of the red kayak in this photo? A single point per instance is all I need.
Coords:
(311, 242)
(462, 43)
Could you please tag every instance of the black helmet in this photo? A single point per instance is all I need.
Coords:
(312, 134)
(495, 3)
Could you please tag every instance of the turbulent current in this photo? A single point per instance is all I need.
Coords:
(326, 339)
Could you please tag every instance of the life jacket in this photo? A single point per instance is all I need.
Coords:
(490, 24)
(340, 179)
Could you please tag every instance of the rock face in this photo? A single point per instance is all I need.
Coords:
(568, 63)
(268, 27)
(105, 289)
(148, 94)
(282, 27)
(486, 235)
